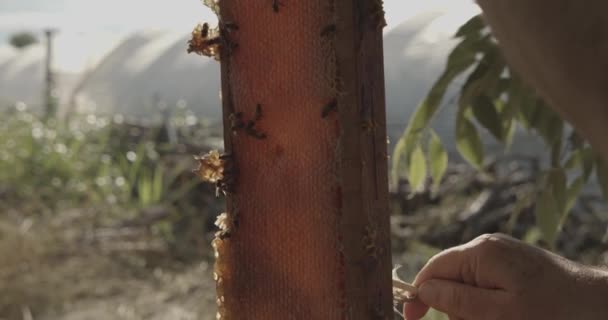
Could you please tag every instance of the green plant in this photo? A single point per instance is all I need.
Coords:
(494, 98)
(22, 39)
(87, 160)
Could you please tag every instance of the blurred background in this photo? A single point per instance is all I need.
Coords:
(102, 110)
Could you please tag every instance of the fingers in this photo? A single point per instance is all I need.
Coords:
(459, 300)
(477, 263)
(448, 264)
(415, 310)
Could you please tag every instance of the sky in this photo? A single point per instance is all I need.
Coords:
(96, 25)
(115, 16)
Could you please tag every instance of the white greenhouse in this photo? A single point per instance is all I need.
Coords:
(149, 73)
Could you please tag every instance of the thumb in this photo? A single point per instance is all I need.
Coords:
(461, 300)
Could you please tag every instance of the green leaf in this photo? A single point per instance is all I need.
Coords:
(144, 190)
(515, 97)
(602, 175)
(483, 79)
(524, 200)
(486, 114)
(557, 183)
(469, 143)
(547, 216)
(459, 60)
(509, 133)
(438, 158)
(575, 160)
(157, 184)
(527, 108)
(398, 162)
(552, 207)
(588, 162)
(501, 87)
(576, 142)
(572, 195)
(417, 170)
(556, 152)
(551, 126)
(474, 25)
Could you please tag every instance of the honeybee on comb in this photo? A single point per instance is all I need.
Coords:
(204, 41)
(329, 107)
(329, 30)
(237, 123)
(208, 42)
(276, 4)
(217, 169)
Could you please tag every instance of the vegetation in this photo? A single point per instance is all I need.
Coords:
(22, 39)
(91, 205)
(90, 187)
(494, 98)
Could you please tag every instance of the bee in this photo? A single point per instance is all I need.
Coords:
(328, 108)
(275, 6)
(370, 243)
(329, 30)
(369, 240)
(217, 169)
(205, 30)
(225, 185)
(369, 126)
(225, 29)
(229, 26)
(236, 122)
(258, 112)
(223, 235)
(208, 42)
(204, 41)
(252, 131)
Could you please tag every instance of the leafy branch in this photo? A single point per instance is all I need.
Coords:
(495, 99)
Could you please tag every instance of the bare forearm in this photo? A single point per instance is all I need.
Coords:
(594, 287)
(561, 48)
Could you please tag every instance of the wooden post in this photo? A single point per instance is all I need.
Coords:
(306, 234)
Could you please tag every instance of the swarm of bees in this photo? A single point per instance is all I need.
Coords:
(225, 225)
(203, 42)
(237, 123)
(209, 42)
(217, 169)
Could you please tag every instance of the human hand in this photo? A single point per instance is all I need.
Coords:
(497, 277)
